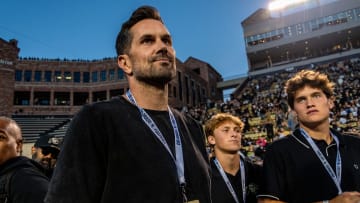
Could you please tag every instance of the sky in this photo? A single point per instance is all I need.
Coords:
(209, 30)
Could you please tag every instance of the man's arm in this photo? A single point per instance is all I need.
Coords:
(80, 170)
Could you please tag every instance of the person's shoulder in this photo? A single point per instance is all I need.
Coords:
(351, 136)
(286, 144)
(248, 162)
(283, 141)
(27, 166)
(104, 107)
(106, 104)
(27, 170)
(17, 162)
(188, 119)
(177, 113)
(31, 173)
(351, 139)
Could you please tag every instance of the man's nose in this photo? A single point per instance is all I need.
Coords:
(163, 50)
(310, 103)
(234, 133)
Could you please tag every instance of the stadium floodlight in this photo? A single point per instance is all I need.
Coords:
(282, 4)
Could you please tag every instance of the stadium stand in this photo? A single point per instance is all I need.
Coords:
(35, 126)
(325, 37)
(264, 94)
(60, 130)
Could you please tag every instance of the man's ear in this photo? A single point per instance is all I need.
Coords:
(19, 147)
(124, 63)
(331, 102)
(33, 150)
(211, 140)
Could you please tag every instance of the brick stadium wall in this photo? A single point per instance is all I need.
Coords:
(8, 57)
(6, 90)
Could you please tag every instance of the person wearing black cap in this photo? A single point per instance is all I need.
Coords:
(45, 151)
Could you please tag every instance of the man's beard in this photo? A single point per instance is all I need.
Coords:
(156, 72)
(47, 164)
(155, 75)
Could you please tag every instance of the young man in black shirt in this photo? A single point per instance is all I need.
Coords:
(315, 163)
(235, 178)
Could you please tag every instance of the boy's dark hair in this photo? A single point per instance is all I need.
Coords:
(311, 78)
(124, 38)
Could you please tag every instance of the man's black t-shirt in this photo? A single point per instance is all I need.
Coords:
(220, 192)
(294, 173)
(110, 155)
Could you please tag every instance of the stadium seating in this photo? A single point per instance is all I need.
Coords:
(35, 126)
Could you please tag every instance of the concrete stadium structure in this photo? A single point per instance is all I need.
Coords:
(311, 35)
(51, 89)
(42, 95)
(35, 86)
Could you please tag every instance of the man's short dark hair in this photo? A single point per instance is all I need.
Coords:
(124, 37)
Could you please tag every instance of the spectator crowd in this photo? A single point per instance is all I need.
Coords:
(263, 108)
